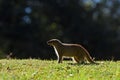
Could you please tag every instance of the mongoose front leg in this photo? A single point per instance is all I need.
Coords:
(60, 59)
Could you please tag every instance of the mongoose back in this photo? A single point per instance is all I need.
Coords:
(76, 51)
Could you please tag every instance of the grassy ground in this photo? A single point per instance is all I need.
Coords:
(33, 69)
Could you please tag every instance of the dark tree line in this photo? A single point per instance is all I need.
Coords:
(26, 25)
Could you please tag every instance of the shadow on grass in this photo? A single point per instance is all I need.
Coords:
(78, 64)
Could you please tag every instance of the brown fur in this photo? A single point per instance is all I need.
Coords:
(79, 53)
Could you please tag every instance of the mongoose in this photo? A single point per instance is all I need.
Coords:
(76, 51)
(9, 56)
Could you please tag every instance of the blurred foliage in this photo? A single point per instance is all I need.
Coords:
(25, 26)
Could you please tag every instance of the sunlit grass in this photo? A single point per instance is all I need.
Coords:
(33, 69)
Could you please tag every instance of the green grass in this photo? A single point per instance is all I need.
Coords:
(33, 69)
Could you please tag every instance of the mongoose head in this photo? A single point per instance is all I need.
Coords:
(53, 42)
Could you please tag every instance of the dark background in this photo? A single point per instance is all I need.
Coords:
(26, 25)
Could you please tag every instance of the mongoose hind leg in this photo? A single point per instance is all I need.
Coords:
(76, 59)
(79, 60)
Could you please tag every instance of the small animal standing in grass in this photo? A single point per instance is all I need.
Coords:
(76, 51)
(9, 56)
